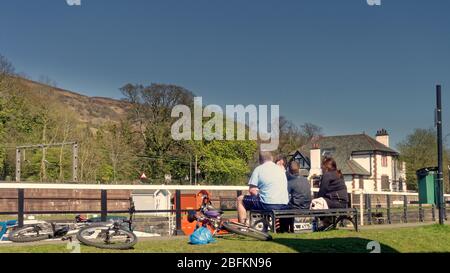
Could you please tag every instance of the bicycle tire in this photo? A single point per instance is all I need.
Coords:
(104, 245)
(246, 231)
(16, 237)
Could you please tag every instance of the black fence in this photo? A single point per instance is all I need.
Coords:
(377, 209)
(104, 209)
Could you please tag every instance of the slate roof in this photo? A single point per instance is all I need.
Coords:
(343, 147)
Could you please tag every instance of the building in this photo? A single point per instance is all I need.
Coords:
(367, 163)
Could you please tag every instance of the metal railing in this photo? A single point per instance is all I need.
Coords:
(21, 187)
(402, 205)
(362, 200)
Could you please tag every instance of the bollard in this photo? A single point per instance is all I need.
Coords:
(20, 206)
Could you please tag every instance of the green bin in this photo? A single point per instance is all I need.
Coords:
(427, 185)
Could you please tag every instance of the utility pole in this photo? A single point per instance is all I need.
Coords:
(190, 170)
(440, 177)
(195, 170)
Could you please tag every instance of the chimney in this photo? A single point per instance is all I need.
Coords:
(382, 136)
(316, 160)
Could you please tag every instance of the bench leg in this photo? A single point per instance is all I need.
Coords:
(274, 223)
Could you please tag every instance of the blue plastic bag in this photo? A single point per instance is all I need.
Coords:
(201, 236)
(4, 228)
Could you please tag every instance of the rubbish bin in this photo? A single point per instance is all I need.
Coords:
(427, 185)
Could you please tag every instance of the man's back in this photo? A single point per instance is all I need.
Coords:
(271, 182)
(300, 192)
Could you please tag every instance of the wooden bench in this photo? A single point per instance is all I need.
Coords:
(337, 215)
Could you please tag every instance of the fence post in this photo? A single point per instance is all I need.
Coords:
(361, 207)
(445, 208)
(178, 229)
(433, 212)
(405, 208)
(20, 206)
(369, 209)
(104, 205)
(388, 208)
(421, 216)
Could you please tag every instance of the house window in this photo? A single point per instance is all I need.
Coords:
(385, 185)
(384, 161)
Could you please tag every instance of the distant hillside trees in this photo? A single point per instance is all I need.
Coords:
(419, 150)
(119, 148)
(219, 162)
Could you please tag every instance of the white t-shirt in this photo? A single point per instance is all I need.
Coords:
(271, 181)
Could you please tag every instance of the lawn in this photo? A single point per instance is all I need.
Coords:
(431, 238)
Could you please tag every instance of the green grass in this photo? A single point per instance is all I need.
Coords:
(431, 238)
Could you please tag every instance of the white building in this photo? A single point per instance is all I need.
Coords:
(367, 163)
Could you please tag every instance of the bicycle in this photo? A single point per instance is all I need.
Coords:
(54, 230)
(208, 216)
(116, 235)
(45, 230)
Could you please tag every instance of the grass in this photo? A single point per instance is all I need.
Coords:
(423, 239)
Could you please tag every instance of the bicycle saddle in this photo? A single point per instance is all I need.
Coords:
(212, 211)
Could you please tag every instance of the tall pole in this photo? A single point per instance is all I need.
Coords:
(18, 164)
(190, 170)
(195, 170)
(440, 177)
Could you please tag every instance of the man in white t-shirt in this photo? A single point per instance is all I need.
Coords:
(267, 188)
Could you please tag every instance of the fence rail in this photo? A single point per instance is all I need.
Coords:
(364, 200)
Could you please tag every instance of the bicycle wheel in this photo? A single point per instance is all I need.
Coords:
(103, 236)
(246, 231)
(30, 234)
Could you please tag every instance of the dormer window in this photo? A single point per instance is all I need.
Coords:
(384, 161)
(328, 152)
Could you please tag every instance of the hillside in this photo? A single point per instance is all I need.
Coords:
(94, 110)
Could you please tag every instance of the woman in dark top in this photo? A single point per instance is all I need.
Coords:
(332, 185)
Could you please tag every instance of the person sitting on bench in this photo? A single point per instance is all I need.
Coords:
(332, 185)
(299, 188)
(267, 187)
(299, 191)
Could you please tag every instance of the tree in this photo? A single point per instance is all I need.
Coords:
(310, 130)
(116, 144)
(292, 137)
(419, 150)
(226, 162)
(151, 108)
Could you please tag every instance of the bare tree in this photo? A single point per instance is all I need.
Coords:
(310, 130)
(6, 67)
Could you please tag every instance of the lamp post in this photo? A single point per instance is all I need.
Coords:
(440, 176)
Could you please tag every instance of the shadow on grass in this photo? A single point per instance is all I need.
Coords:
(332, 245)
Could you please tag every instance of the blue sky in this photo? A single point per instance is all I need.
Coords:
(343, 65)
